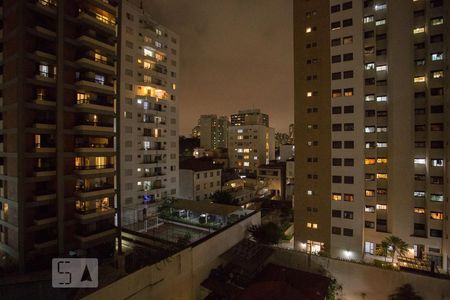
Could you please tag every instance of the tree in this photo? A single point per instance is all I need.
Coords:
(269, 233)
(223, 197)
(383, 250)
(397, 247)
(405, 292)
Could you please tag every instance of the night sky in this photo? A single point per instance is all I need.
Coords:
(235, 54)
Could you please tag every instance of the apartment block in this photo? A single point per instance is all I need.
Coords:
(213, 131)
(273, 177)
(149, 128)
(200, 178)
(57, 135)
(370, 108)
(251, 142)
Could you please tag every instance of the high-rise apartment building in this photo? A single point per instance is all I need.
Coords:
(251, 142)
(149, 127)
(213, 131)
(57, 182)
(249, 117)
(371, 106)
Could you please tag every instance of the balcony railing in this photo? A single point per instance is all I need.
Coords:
(96, 124)
(99, 17)
(95, 102)
(94, 80)
(91, 56)
(104, 186)
(92, 145)
(49, 3)
(101, 229)
(46, 74)
(95, 167)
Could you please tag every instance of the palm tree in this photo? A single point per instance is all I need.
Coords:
(397, 247)
(383, 250)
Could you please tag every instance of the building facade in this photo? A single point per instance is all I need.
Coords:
(251, 142)
(58, 172)
(273, 177)
(200, 178)
(213, 131)
(149, 127)
(370, 96)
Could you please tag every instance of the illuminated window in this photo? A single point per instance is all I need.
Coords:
(348, 197)
(311, 225)
(382, 160)
(369, 98)
(368, 19)
(369, 209)
(369, 193)
(382, 176)
(309, 192)
(437, 162)
(382, 129)
(437, 21)
(419, 79)
(437, 74)
(380, 22)
(419, 194)
(147, 65)
(436, 215)
(174, 86)
(382, 68)
(336, 197)
(158, 31)
(380, 6)
(419, 210)
(437, 56)
(369, 129)
(100, 58)
(369, 161)
(437, 197)
(246, 164)
(381, 145)
(369, 66)
(148, 52)
(308, 29)
(420, 161)
(381, 206)
(382, 98)
(309, 94)
(348, 92)
(419, 30)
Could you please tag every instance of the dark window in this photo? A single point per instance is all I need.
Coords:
(336, 76)
(438, 38)
(336, 127)
(336, 230)
(347, 5)
(337, 162)
(348, 74)
(436, 91)
(337, 144)
(337, 179)
(369, 224)
(369, 81)
(349, 144)
(335, 25)
(349, 162)
(349, 127)
(368, 3)
(419, 13)
(335, 59)
(348, 56)
(419, 95)
(419, 226)
(381, 36)
(348, 109)
(336, 213)
(381, 52)
(335, 8)
(419, 45)
(348, 179)
(370, 113)
(336, 110)
(348, 232)
(347, 23)
(437, 144)
(335, 42)
(436, 3)
(382, 113)
(435, 232)
(437, 109)
(369, 34)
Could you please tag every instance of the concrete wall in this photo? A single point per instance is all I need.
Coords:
(357, 279)
(180, 276)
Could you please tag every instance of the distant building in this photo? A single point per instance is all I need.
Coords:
(249, 117)
(199, 178)
(286, 152)
(196, 132)
(213, 131)
(187, 146)
(250, 141)
(273, 176)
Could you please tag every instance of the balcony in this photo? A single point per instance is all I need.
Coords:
(91, 84)
(45, 55)
(45, 33)
(105, 5)
(44, 148)
(95, 215)
(107, 233)
(93, 148)
(44, 221)
(90, 170)
(45, 171)
(45, 77)
(103, 190)
(42, 123)
(95, 127)
(90, 62)
(98, 21)
(44, 196)
(153, 188)
(93, 43)
(44, 101)
(95, 105)
(47, 5)
(45, 244)
(149, 174)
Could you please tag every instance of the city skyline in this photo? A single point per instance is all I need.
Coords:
(237, 79)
